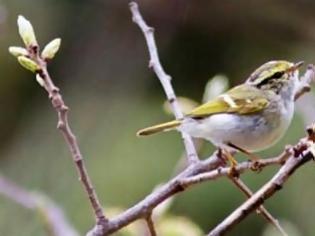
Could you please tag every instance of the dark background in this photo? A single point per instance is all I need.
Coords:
(103, 74)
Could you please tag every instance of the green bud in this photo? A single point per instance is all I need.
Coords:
(28, 64)
(51, 49)
(40, 80)
(18, 51)
(26, 31)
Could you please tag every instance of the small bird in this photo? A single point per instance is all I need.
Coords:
(247, 118)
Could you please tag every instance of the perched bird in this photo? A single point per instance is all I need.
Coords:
(249, 117)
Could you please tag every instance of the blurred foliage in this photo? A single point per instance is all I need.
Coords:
(164, 223)
(102, 71)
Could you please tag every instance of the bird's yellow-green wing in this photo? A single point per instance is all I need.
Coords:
(243, 99)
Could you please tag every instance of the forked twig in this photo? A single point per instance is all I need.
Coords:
(270, 188)
(164, 78)
(261, 210)
(193, 174)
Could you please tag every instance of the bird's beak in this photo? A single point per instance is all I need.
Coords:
(296, 66)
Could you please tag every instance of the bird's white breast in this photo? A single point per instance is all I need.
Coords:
(251, 132)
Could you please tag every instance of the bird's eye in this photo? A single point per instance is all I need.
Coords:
(277, 75)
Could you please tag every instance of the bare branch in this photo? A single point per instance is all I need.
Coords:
(64, 127)
(208, 169)
(303, 155)
(145, 206)
(164, 78)
(242, 186)
(261, 210)
(150, 225)
(186, 182)
(52, 216)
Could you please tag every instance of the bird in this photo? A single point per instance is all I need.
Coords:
(249, 117)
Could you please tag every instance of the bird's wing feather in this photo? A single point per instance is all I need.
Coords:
(243, 99)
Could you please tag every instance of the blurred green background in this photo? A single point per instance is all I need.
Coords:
(103, 74)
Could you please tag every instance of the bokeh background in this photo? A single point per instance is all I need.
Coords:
(103, 74)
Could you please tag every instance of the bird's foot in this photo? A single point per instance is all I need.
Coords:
(232, 162)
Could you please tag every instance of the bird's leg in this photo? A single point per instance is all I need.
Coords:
(251, 156)
(233, 163)
(221, 156)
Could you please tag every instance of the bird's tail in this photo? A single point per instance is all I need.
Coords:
(159, 128)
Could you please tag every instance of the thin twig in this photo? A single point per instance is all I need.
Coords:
(64, 127)
(164, 78)
(186, 182)
(150, 225)
(261, 210)
(52, 215)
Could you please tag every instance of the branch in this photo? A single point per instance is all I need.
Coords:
(204, 170)
(209, 169)
(144, 207)
(242, 186)
(261, 210)
(186, 182)
(52, 215)
(32, 59)
(71, 140)
(303, 155)
(164, 78)
(150, 225)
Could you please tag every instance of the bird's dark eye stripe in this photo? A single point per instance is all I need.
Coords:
(276, 75)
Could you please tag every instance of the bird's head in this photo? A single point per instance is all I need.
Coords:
(281, 77)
